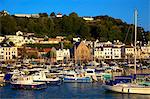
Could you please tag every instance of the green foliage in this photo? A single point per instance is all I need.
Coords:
(51, 54)
(68, 45)
(8, 24)
(103, 28)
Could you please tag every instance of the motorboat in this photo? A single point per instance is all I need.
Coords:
(26, 82)
(40, 76)
(72, 76)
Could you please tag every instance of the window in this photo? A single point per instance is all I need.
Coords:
(1, 57)
(107, 56)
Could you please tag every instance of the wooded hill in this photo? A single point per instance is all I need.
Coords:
(103, 28)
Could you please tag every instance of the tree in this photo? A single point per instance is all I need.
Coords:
(43, 14)
(51, 54)
(84, 31)
(102, 27)
(8, 25)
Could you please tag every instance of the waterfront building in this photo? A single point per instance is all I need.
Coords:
(116, 53)
(127, 51)
(77, 39)
(81, 52)
(52, 55)
(99, 53)
(97, 43)
(7, 52)
(145, 52)
(107, 52)
(117, 43)
(62, 54)
(31, 53)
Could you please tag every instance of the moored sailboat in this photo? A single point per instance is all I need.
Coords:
(133, 88)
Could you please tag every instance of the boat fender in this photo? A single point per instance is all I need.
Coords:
(128, 90)
(122, 89)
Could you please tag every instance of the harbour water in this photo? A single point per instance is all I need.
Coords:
(67, 91)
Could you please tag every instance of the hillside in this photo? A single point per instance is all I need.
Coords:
(102, 27)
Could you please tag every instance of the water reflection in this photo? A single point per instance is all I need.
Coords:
(68, 90)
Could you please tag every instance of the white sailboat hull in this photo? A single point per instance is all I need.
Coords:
(128, 89)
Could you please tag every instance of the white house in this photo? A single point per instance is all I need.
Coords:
(17, 39)
(117, 43)
(19, 33)
(27, 15)
(76, 39)
(107, 52)
(62, 54)
(99, 53)
(145, 51)
(88, 18)
(127, 51)
(59, 15)
(7, 52)
(116, 53)
(97, 43)
(30, 40)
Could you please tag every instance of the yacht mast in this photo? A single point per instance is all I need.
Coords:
(135, 39)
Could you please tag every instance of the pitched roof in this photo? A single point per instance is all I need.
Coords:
(77, 44)
(47, 50)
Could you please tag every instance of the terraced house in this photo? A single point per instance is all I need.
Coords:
(7, 52)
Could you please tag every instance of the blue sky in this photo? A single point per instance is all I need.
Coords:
(122, 9)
